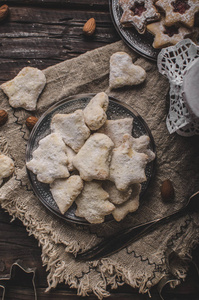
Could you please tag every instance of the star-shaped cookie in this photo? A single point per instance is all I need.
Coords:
(166, 36)
(179, 11)
(138, 13)
(127, 165)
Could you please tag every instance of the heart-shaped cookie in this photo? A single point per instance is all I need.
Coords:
(123, 72)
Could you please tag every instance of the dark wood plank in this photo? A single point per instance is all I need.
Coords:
(43, 37)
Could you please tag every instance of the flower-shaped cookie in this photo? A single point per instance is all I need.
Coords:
(138, 13)
(179, 11)
(167, 36)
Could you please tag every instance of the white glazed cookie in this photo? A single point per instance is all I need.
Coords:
(93, 203)
(65, 191)
(93, 159)
(116, 196)
(141, 144)
(24, 90)
(6, 167)
(95, 111)
(115, 129)
(72, 128)
(49, 159)
(130, 205)
(127, 165)
(123, 72)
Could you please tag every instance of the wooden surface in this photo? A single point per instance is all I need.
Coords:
(41, 33)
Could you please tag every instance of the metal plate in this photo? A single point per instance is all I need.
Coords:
(141, 43)
(116, 110)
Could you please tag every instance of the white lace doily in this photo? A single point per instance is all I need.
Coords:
(173, 62)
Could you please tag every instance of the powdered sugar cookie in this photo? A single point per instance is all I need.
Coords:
(72, 128)
(6, 167)
(49, 159)
(127, 165)
(179, 11)
(65, 191)
(95, 111)
(138, 13)
(24, 90)
(93, 159)
(141, 145)
(115, 129)
(167, 36)
(123, 72)
(93, 203)
(129, 206)
(116, 196)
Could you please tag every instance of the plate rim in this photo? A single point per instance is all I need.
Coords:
(57, 104)
(124, 38)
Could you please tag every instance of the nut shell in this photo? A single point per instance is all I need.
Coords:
(89, 27)
(3, 117)
(3, 12)
(167, 190)
(30, 122)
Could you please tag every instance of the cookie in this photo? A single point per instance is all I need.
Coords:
(123, 72)
(6, 167)
(24, 90)
(49, 159)
(127, 165)
(138, 13)
(65, 191)
(93, 159)
(116, 196)
(129, 206)
(115, 129)
(95, 112)
(93, 203)
(72, 128)
(167, 36)
(141, 145)
(179, 11)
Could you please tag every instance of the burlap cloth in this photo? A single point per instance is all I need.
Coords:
(143, 263)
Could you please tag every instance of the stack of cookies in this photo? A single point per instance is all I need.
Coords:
(169, 21)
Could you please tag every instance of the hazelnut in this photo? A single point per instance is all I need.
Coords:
(30, 122)
(3, 117)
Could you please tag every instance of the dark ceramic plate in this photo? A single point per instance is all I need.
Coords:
(141, 43)
(116, 110)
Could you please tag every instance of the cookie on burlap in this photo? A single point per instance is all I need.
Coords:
(24, 90)
(6, 167)
(123, 72)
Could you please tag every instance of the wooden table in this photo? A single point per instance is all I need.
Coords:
(41, 33)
